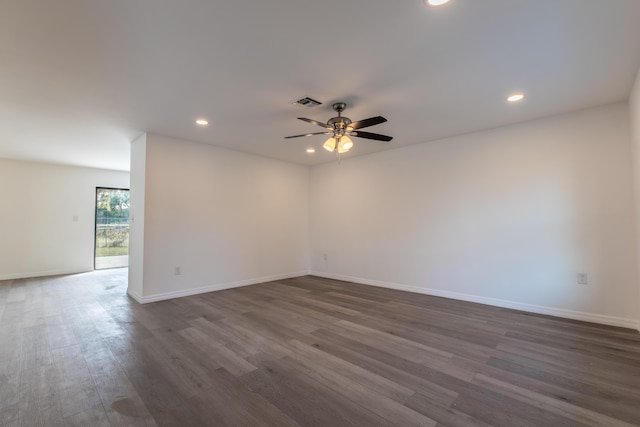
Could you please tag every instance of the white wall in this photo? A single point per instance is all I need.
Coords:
(506, 216)
(136, 216)
(38, 234)
(634, 107)
(225, 218)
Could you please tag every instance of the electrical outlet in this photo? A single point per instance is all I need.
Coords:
(177, 271)
(75, 218)
(583, 279)
(325, 257)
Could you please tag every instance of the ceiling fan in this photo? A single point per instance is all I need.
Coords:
(342, 128)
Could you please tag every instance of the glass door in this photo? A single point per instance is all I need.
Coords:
(112, 228)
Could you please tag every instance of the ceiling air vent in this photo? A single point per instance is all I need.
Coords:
(306, 102)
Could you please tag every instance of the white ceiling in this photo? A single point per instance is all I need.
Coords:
(79, 79)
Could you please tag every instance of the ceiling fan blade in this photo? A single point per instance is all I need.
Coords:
(314, 122)
(308, 134)
(371, 121)
(369, 135)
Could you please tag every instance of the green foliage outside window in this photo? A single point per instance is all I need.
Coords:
(112, 222)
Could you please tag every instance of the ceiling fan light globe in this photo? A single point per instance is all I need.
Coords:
(330, 144)
(345, 144)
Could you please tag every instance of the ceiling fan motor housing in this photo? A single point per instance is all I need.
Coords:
(339, 124)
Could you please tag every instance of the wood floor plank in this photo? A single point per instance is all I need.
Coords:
(550, 405)
(35, 349)
(381, 405)
(330, 306)
(576, 345)
(566, 376)
(76, 388)
(182, 376)
(420, 385)
(476, 348)
(618, 403)
(216, 333)
(441, 372)
(302, 310)
(121, 402)
(230, 402)
(305, 400)
(504, 412)
(443, 414)
(93, 418)
(59, 333)
(153, 385)
(40, 403)
(401, 347)
(9, 392)
(12, 339)
(317, 359)
(252, 343)
(218, 353)
(586, 366)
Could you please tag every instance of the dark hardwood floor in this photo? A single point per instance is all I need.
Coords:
(75, 350)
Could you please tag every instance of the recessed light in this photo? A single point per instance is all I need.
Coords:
(435, 2)
(202, 122)
(515, 97)
(311, 150)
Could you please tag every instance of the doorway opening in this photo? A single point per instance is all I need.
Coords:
(111, 249)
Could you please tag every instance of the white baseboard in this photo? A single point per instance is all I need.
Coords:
(135, 296)
(30, 275)
(531, 308)
(211, 288)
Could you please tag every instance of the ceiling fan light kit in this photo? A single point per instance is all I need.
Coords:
(343, 144)
(342, 129)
